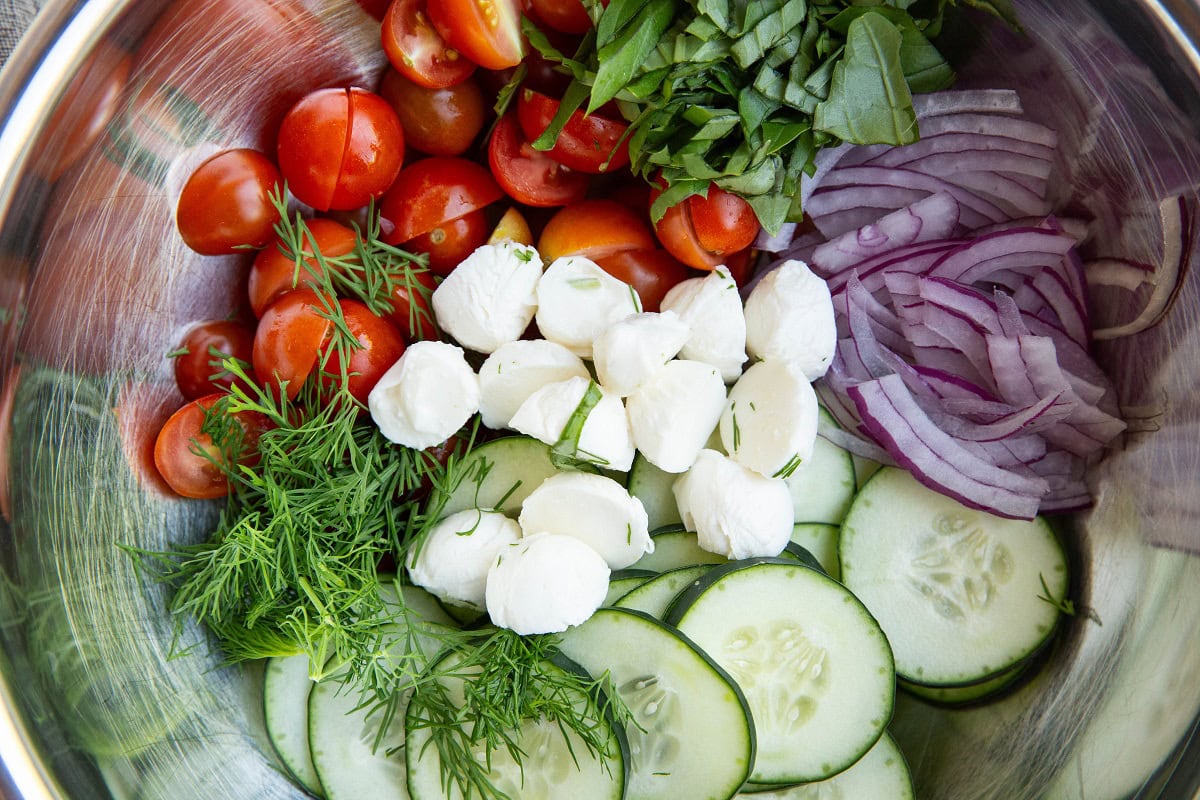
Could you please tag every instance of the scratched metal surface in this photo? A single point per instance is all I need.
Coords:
(95, 288)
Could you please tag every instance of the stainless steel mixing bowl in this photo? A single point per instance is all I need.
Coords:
(106, 106)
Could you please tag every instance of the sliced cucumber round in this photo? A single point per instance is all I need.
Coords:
(691, 735)
(286, 687)
(675, 547)
(814, 665)
(824, 484)
(352, 758)
(556, 762)
(623, 581)
(971, 693)
(963, 595)
(821, 540)
(655, 596)
(499, 475)
(652, 486)
(882, 774)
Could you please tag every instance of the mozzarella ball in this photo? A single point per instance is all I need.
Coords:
(577, 301)
(712, 308)
(632, 350)
(545, 583)
(604, 439)
(490, 298)
(734, 511)
(789, 317)
(672, 415)
(426, 396)
(454, 559)
(517, 370)
(594, 509)
(769, 423)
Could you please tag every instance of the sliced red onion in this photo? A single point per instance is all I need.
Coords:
(929, 219)
(781, 241)
(959, 101)
(896, 422)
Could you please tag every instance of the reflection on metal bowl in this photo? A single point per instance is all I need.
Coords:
(95, 288)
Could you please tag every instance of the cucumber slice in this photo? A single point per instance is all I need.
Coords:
(814, 665)
(962, 594)
(675, 547)
(624, 581)
(821, 540)
(971, 693)
(655, 596)
(350, 757)
(823, 486)
(500, 474)
(557, 764)
(882, 774)
(652, 486)
(286, 687)
(691, 735)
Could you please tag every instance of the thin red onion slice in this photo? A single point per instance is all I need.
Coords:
(929, 219)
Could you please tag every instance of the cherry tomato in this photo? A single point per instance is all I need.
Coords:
(192, 474)
(512, 227)
(594, 229)
(530, 176)
(381, 347)
(412, 313)
(273, 272)
(226, 203)
(376, 8)
(434, 191)
(651, 272)
(450, 242)
(486, 31)
(568, 16)
(198, 371)
(340, 148)
(440, 122)
(703, 232)
(418, 51)
(587, 143)
(289, 339)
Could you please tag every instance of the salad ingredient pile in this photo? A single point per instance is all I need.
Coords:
(534, 447)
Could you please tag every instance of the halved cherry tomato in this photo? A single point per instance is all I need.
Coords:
(587, 143)
(226, 203)
(450, 242)
(512, 227)
(193, 474)
(418, 51)
(198, 372)
(340, 148)
(433, 191)
(486, 31)
(440, 122)
(703, 232)
(651, 272)
(594, 229)
(289, 339)
(568, 16)
(412, 313)
(530, 176)
(381, 347)
(273, 272)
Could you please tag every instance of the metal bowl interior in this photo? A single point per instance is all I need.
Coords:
(108, 105)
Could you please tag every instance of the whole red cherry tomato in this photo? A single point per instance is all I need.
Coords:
(226, 203)
(530, 176)
(417, 50)
(567, 16)
(289, 339)
(488, 32)
(587, 143)
(651, 272)
(198, 370)
(439, 122)
(380, 346)
(340, 148)
(274, 273)
(452, 241)
(200, 474)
